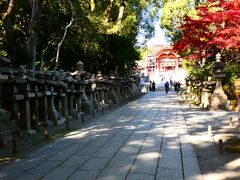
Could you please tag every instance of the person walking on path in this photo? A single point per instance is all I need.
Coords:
(166, 86)
(150, 85)
(153, 86)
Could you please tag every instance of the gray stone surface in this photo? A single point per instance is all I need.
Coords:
(76, 161)
(95, 164)
(169, 174)
(140, 177)
(122, 160)
(114, 173)
(191, 170)
(84, 175)
(60, 173)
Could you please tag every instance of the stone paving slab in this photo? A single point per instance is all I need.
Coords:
(169, 174)
(60, 173)
(142, 140)
(80, 174)
(75, 161)
(140, 177)
(114, 172)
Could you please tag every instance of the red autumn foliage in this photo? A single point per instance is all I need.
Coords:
(218, 26)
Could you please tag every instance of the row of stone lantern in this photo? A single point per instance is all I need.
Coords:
(201, 91)
(210, 94)
(53, 97)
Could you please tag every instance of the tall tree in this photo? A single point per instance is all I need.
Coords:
(103, 37)
(217, 27)
(173, 13)
(7, 31)
(32, 39)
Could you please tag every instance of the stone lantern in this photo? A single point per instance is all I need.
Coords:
(81, 75)
(237, 91)
(5, 115)
(112, 92)
(207, 91)
(218, 98)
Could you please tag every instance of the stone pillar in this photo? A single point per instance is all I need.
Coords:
(208, 87)
(112, 95)
(198, 92)
(106, 91)
(24, 88)
(82, 75)
(5, 115)
(100, 91)
(35, 103)
(65, 106)
(124, 93)
(11, 99)
(237, 92)
(42, 99)
(3, 80)
(53, 114)
(71, 92)
(118, 92)
(219, 98)
(92, 88)
(79, 91)
(60, 98)
(44, 105)
(94, 99)
(86, 104)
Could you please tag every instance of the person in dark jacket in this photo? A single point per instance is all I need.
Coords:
(166, 86)
(150, 86)
(153, 86)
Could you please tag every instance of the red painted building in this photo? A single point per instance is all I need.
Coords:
(164, 64)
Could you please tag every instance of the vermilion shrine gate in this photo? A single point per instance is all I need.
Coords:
(164, 64)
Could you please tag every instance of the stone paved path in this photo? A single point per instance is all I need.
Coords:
(146, 139)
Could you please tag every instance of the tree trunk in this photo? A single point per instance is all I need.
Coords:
(107, 11)
(8, 29)
(92, 5)
(9, 10)
(121, 11)
(32, 40)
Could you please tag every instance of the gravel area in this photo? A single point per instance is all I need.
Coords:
(214, 164)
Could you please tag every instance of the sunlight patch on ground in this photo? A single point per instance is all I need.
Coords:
(233, 164)
(137, 142)
(148, 156)
(78, 135)
(221, 175)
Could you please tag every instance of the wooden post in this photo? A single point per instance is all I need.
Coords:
(220, 146)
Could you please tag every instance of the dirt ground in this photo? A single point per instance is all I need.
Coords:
(214, 160)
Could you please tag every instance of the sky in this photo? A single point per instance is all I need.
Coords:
(159, 38)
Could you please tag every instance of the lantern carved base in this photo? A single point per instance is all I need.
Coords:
(218, 98)
(237, 92)
(219, 101)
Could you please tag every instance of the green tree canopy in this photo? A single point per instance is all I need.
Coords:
(102, 33)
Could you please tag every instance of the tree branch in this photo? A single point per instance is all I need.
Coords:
(92, 5)
(107, 11)
(64, 35)
(43, 52)
(9, 10)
